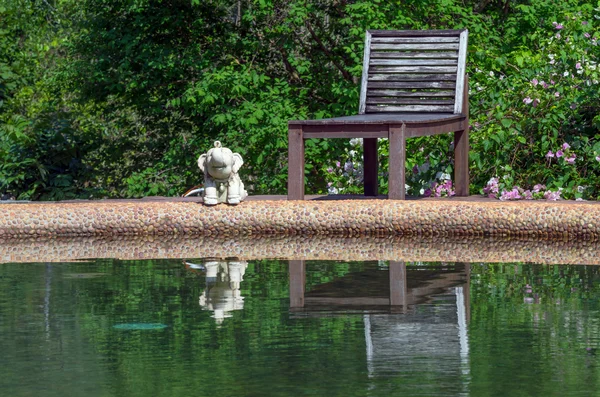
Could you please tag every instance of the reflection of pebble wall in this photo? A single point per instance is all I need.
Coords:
(409, 249)
(334, 218)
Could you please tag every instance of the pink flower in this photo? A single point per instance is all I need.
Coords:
(527, 195)
(539, 187)
(535, 102)
(552, 82)
(549, 155)
(544, 84)
(558, 35)
(527, 100)
(337, 164)
(584, 22)
(559, 153)
(534, 82)
(578, 65)
(566, 146)
(587, 35)
(330, 170)
(571, 159)
(558, 26)
(557, 94)
(598, 158)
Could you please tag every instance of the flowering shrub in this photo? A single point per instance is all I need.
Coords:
(535, 114)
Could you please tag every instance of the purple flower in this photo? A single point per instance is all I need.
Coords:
(330, 170)
(573, 106)
(539, 187)
(558, 35)
(544, 84)
(415, 169)
(527, 195)
(528, 289)
(571, 159)
(534, 82)
(578, 65)
(584, 22)
(558, 26)
(427, 193)
(552, 196)
(566, 146)
(549, 155)
(510, 195)
(559, 153)
(527, 100)
(557, 94)
(598, 158)
(587, 35)
(552, 82)
(535, 103)
(337, 164)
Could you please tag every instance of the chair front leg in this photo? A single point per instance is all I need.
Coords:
(396, 183)
(295, 163)
(461, 161)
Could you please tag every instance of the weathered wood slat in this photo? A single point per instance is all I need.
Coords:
(410, 108)
(460, 81)
(410, 40)
(365, 74)
(415, 33)
(412, 77)
(413, 69)
(412, 62)
(412, 84)
(413, 54)
(410, 94)
(408, 101)
(415, 46)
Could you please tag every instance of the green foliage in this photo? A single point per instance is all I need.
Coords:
(115, 98)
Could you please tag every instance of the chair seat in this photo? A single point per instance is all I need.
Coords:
(384, 118)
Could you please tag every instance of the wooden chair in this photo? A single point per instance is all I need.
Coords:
(413, 84)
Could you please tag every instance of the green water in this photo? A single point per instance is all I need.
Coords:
(161, 328)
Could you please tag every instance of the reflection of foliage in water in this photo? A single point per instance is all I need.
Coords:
(534, 321)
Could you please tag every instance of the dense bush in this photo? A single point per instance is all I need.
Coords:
(118, 98)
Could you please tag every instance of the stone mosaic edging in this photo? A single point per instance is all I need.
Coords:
(347, 218)
(409, 249)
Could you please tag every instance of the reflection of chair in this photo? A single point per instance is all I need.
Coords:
(413, 84)
(397, 343)
(423, 285)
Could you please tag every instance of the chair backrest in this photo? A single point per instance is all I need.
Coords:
(413, 71)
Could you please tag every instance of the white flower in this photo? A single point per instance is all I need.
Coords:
(566, 73)
(580, 189)
(422, 191)
(356, 141)
(491, 73)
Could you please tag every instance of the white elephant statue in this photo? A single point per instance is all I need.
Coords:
(222, 184)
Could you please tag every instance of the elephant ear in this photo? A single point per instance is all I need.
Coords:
(202, 162)
(237, 163)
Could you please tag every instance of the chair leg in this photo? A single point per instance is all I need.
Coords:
(396, 189)
(370, 166)
(295, 163)
(461, 161)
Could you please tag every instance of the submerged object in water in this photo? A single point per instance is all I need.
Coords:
(140, 326)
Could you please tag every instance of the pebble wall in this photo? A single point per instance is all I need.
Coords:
(422, 230)
(347, 218)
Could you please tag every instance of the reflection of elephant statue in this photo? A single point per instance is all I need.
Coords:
(222, 183)
(222, 294)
